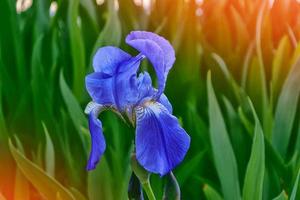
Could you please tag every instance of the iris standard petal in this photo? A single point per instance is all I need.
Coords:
(119, 89)
(158, 50)
(161, 143)
(125, 83)
(107, 59)
(147, 92)
(97, 138)
(100, 88)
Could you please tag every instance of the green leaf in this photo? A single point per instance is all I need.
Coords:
(296, 187)
(3, 130)
(22, 189)
(10, 39)
(45, 184)
(90, 8)
(187, 168)
(280, 61)
(211, 193)
(254, 179)
(77, 48)
(223, 154)
(281, 196)
(286, 110)
(100, 182)
(49, 153)
(40, 89)
(112, 31)
(77, 194)
(237, 91)
(74, 109)
(263, 95)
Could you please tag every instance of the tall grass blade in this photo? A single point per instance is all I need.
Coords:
(224, 157)
(296, 188)
(74, 109)
(210, 193)
(100, 182)
(77, 48)
(3, 130)
(286, 110)
(281, 196)
(22, 189)
(266, 115)
(254, 179)
(112, 31)
(45, 184)
(49, 153)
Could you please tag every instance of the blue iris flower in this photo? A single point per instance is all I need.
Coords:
(160, 142)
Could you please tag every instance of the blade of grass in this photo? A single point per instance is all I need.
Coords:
(211, 193)
(112, 31)
(295, 188)
(100, 182)
(281, 196)
(74, 109)
(77, 48)
(254, 179)
(21, 190)
(286, 110)
(77, 194)
(42, 182)
(49, 153)
(89, 6)
(10, 39)
(3, 129)
(280, 61)
(266, 114)
(224, 157)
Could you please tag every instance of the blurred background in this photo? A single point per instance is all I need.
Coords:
(249, 48)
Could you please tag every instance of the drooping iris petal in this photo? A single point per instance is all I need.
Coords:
(161, 143)
(107, 59)
(158, 50)
(97, 138)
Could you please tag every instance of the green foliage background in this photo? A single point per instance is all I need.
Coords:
(235, 87)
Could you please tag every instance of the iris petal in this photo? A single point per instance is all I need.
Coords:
(119, 89)
(158, 50)
(165, 102)
(125, 83)
(107, 59)
(161, 143)
(97, 139)
(100, 88)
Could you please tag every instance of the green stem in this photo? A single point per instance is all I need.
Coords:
(147, 187)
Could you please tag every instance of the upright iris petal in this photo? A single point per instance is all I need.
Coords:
(161, 143)
(97, 138)
(114, 82)
(158, 50)
(107, 59)
(100, 88)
